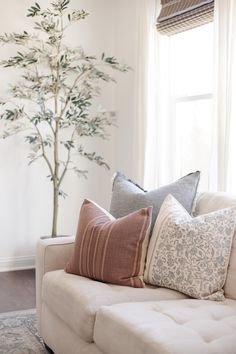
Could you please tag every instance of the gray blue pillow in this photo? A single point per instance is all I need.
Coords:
(127, 196)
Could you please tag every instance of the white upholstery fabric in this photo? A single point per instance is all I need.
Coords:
(167, 327)
(209, 201)
(52, 254)
(76, 299)
(61, 338)
(206, 203)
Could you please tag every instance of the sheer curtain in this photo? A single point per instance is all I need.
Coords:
(158, 157)
(224, 162)
(153, 165)
(146, 17)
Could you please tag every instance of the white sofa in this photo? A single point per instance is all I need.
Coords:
(77, 315)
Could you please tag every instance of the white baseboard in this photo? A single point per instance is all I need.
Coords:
(17, 263)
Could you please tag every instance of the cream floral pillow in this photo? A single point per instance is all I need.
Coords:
(188, 254)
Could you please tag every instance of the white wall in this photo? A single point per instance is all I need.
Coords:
(126, 47)
(25, 193)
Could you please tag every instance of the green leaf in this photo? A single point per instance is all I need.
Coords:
(12, 114)
(32, 139)
(77, 15)
(69, 144)
(16, 38)
(34, 10)
(50, 177)
(80, 173)
(99, 160)
(60, 5)
(33, 157)
(62, 194)
(20, 60)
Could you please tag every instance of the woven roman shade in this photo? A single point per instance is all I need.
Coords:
(181, 15)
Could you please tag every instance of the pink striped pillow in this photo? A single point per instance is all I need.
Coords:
(108, 249)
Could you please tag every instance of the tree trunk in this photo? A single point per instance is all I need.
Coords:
(55, 178)
(55, 209)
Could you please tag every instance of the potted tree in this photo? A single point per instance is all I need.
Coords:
(52, 100)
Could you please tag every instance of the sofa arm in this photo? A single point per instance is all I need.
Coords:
(51, 254)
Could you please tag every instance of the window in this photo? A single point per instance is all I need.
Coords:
(191, 92)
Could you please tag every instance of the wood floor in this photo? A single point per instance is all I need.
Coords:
(17, 290)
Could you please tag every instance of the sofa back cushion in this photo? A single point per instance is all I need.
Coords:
(206, 203)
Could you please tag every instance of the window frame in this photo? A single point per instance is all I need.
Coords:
(174, 100)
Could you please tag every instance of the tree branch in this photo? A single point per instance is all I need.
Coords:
(71, 90)
(44, 155)
(43, 101)
(67, 160)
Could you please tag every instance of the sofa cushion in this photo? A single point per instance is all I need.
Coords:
(128, 197)
(188, 254)
(76, 299)
(206, 203)
(167, 327)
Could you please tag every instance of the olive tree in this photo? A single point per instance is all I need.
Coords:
(51, 102)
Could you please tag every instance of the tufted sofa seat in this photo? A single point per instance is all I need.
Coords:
(77, 315)
(163, 327)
